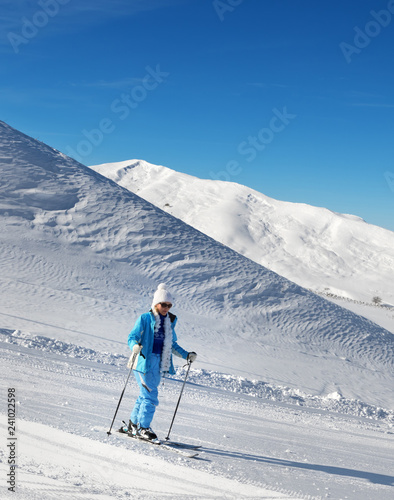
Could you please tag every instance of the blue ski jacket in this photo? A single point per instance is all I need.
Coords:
(143, 333)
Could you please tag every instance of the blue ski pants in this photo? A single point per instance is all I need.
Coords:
(147, 401)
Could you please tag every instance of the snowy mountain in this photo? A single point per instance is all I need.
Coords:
(321, 250)
(85, 244)
(80, 257)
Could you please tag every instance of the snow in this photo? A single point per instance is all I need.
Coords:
(251, 447)
(291, 395)
(318, 249)
(67, 469)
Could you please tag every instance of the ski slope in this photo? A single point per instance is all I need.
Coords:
(291, 396)
(251, 447)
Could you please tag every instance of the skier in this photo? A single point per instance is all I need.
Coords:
(153, 340)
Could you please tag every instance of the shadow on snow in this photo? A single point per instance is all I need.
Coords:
(334, 470)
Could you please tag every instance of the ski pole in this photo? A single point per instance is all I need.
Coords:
(124, 388)
(179, 399)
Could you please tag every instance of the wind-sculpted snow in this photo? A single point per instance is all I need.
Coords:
(210, 379)
(334, 401)
(95, 251)
(53, 346)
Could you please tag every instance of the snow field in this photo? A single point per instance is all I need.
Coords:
(251, 447)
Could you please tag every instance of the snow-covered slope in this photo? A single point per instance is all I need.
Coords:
(81, 256)
(251, 447)
(325, 251)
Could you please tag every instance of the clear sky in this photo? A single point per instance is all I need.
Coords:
(292, 98)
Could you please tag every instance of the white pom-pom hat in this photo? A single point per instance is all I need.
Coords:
(162, 295)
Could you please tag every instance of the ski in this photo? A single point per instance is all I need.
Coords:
(167, 446)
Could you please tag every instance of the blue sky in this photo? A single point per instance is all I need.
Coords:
(294, 99)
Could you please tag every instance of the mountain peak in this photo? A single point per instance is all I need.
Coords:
(315, 247)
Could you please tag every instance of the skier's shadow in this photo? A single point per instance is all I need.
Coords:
(334, 470)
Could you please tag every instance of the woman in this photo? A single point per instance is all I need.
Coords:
(153, 340)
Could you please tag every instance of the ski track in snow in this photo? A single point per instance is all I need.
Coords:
(250, 447)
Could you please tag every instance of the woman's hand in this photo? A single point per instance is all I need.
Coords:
(191, 357)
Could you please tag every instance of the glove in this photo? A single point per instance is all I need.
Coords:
(133, 358)
(137, 348)
(191, 357)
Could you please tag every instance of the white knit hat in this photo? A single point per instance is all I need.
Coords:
(162, 295)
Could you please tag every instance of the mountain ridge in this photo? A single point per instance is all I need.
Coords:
(317, 248)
